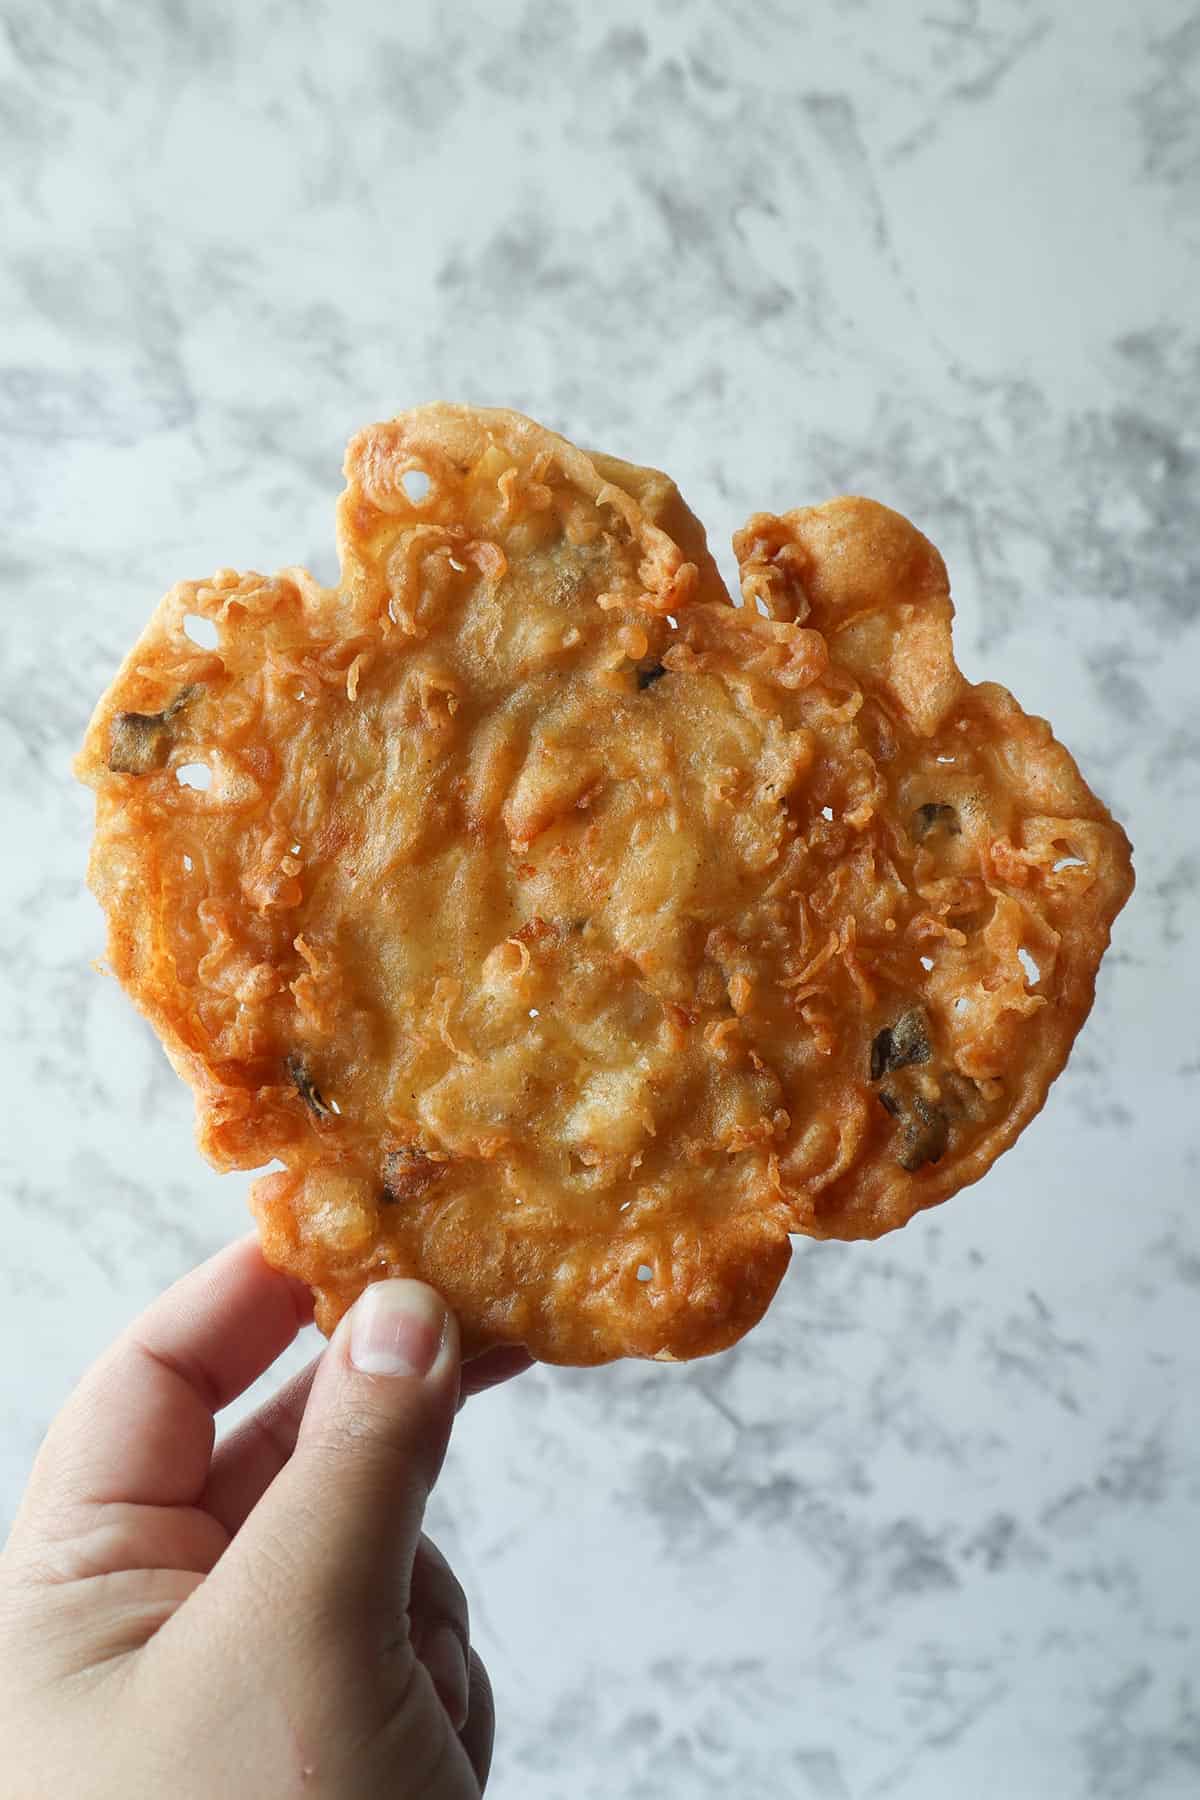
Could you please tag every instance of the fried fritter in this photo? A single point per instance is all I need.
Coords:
(570, 934)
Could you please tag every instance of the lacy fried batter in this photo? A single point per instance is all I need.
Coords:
(571, 935)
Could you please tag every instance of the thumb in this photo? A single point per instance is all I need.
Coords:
(344, 1515)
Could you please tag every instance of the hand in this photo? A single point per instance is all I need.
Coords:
(262, 1620)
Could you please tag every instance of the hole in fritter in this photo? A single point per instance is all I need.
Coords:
(533, 1012)
(187, 862)
(415, 483)
(645, 1272)
(202, 631)
(961, 1004)
(827, 812)
(194, 775)
(293, 849)
(672, 621)
(1033, 973)
(1069, 862)
(927, 962)
(333, 1106)
(944, 759)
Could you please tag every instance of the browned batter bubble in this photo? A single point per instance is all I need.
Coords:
(539, 971)
(407, 1172)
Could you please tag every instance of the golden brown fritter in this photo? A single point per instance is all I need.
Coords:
(571, 935)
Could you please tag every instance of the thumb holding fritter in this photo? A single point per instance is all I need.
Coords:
(331, 1581)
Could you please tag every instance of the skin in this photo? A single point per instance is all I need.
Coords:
(260, 1617)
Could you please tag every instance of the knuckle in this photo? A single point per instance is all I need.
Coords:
(363, 1446)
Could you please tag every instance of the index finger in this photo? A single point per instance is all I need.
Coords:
(139, 1427)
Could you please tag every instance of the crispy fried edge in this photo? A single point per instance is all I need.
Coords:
(850, 556)
(456, 437)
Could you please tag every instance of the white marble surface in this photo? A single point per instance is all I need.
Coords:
(932, 1531)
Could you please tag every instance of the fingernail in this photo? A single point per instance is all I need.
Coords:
(446, 1661)
(397, 1329)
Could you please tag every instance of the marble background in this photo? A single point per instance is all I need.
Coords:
(933, 1530)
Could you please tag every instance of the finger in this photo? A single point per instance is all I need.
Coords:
(445, 1663)
(436, 1595)
(479, 1733)
(341, 1521)
(247, 1462)
(245, 1465)
(139, 1427)
(492, 1367)
(440, 1626)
